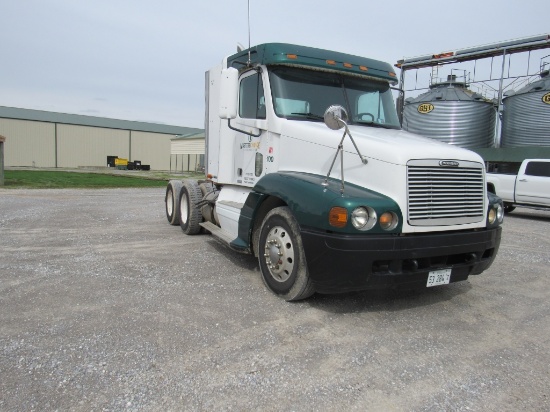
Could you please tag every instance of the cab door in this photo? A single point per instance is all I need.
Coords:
(252, 129)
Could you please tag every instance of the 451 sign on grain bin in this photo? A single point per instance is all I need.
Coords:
(425, 108)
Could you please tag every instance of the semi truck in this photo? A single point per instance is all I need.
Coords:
(530, 187)
(307, 168)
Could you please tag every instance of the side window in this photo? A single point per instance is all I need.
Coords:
(538, 169)
(370, 109)
(251, 97)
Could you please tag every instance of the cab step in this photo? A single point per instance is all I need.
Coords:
(217, 232)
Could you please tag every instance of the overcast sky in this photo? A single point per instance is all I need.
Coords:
(145, 60)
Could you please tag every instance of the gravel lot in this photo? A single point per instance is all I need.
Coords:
(104, 306)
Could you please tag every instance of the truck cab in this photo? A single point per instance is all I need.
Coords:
(359, 204)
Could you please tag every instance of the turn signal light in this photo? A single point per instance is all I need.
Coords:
(291, 56)
(385, 219)
(338, 216)
(388, 220)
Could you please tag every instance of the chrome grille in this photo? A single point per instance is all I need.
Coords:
(444, 195)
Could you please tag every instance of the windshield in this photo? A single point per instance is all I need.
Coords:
(306, 94)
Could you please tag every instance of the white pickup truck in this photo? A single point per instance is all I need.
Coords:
(529, 188)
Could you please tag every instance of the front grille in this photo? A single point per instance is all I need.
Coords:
(444, 195)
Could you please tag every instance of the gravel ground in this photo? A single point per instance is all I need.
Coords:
(104, 306)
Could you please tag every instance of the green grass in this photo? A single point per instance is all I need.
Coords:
(58, 180)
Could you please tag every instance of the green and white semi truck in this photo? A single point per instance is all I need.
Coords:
(308, 169)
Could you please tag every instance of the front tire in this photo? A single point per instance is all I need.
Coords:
(281, 256)
(171, 202)
(190, 214)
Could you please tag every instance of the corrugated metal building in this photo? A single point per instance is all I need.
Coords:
(187, 152)
(46, 139)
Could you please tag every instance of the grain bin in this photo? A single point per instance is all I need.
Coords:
(526, 116)
(451, 113)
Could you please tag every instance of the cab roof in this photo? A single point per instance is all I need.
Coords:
(312, 58)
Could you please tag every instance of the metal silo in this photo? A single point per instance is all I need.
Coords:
(451, 113)
(526, 117)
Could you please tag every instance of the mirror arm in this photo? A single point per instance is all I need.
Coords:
(363, 159)
(341, 151)
(334, 121)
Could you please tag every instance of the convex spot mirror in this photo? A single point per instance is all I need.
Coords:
(336, 117)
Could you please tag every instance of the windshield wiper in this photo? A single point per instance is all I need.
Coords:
(383, 126)
(312, 116)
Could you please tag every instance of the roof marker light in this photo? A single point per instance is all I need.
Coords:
(443, 55)
(348, 65)
(331, 62)
(364, 68)
(291, 56)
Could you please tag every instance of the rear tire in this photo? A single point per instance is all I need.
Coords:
(171, 201)
(281, 256)
(190, 214)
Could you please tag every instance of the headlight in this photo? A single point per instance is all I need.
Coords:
(500, 213)
(496, 214)
(363, 218)
(492, 217)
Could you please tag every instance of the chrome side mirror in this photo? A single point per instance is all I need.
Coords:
(336, 117)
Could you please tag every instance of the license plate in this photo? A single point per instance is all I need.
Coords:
(439, 277)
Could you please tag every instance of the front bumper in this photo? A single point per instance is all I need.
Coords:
(342, 263)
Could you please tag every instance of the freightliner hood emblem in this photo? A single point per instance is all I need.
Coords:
(449, 163)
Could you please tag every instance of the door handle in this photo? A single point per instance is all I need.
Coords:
(523, 180)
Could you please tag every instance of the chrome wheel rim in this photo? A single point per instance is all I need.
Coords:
(170, 203)
(279, 254)
(183, 208)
